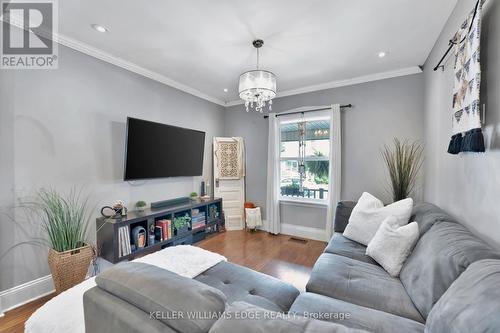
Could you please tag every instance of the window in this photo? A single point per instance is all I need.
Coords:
(313, 183)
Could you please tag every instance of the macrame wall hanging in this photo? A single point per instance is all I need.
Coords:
(466, 117)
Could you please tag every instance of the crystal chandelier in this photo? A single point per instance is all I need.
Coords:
(257, 86)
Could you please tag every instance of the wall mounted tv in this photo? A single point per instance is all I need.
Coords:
(155, 150)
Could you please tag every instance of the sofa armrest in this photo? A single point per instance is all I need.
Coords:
(166, 295)
(342, 214)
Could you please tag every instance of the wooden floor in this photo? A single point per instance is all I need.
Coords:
(287, 259)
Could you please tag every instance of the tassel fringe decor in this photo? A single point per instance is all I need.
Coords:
(473, 141)
(455, 144)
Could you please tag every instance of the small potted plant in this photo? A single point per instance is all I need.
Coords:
(193, 195)
(141, 205)
(181, 224)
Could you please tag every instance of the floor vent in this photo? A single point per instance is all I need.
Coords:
(298, 240)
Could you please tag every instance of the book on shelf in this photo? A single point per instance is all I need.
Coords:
(124, 247)
(166, 226)
(120, 241)
(198, 226)
(158, 233)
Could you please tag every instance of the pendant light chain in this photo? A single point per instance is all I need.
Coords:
(258, 59)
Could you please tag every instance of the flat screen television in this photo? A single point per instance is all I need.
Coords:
(155, 150)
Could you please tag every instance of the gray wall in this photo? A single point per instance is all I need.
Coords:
(66, 127)
(382, 110)
(467, 185)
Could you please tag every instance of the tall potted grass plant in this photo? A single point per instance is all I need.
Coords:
(65, 220)
(403, 160)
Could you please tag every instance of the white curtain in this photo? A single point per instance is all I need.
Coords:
(273, 186)
(335, 168)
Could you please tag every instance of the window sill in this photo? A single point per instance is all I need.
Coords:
(304, 202)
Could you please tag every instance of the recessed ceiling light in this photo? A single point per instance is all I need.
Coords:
(382, 54)
(99, 28)
(225, 90)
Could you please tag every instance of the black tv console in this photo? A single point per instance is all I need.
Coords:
(109, 241)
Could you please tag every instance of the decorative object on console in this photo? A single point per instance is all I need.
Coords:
(158, 234)
(202, 188)
(207, 189)
(392, 244)
(141, 205)
(181, 224)
(193, 195)
(118, 209)
(213, 211)
(466, 116)
(403, 160)
(65, 219)
(370, 212)
(139, 237)
(256, 87)
(151, 237)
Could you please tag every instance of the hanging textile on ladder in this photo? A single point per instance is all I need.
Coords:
(302, 153)
(466, 117)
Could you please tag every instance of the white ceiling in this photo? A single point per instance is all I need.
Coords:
(203, 46)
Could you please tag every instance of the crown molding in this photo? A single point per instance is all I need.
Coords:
(129, 66)
(342, 83)
(104, 56)
(117, 61)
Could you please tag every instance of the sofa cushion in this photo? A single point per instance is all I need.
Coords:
(352, 315)
(392, 244)
(348, 248)
(369, 213)
(156, 290)
(239, 283)
(427, 214)
(471, 304)
(248, 318)
(439, 257)
(360, 283)
(342, 214)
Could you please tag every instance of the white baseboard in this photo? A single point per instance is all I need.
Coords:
(25, 293)
(303, 232)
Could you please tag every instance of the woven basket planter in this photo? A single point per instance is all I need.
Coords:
(70, 267)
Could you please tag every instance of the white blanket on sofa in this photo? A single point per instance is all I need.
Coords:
(64, 313)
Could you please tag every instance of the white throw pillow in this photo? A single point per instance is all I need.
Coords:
(369, 213)
(392, 244)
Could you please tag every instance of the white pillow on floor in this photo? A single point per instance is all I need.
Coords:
(392, 244)
(369, 213)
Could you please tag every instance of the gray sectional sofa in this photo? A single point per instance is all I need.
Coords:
(450, 283)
